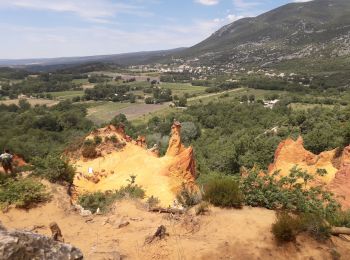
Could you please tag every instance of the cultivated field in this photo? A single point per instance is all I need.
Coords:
(32, 101)
(180, 89)
(104, 112)
(62, 95)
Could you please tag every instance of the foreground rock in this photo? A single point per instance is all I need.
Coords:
(16, 245)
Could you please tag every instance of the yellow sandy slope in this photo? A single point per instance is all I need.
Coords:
(159, 177)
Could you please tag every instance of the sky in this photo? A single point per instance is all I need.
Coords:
(66, 28)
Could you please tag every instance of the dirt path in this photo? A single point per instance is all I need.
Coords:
(223, 234)
(214, 94)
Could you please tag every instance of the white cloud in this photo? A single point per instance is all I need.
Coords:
(242, 4)
(207, 2)
(233, 17)
(93, 10)
(98, 40)
(302, 1)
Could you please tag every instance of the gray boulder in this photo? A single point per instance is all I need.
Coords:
(22, 245)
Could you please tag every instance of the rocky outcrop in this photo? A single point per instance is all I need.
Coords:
(118, 158)
(340, 185)
(292, 153)
(184, 162)
(23, 245)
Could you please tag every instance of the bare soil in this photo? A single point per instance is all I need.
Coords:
(222, 234)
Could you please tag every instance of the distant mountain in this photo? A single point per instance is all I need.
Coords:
(313, 36)
(120, 59)
(319, 29)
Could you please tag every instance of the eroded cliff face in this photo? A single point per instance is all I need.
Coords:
(291, 153)
(118, 157)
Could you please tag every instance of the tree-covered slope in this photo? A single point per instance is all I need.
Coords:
(317, 29)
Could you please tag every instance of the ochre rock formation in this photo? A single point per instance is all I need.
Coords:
(292, 153)
(119, 157)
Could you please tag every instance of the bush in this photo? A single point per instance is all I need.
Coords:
(316, 226)
(286, 227)
(89, 151)
(152, 202)
(223, 192)
(288, 192)
(97, 140)
(187, 197)
(340, 219)
(24, 193)
(93, 201)
(54, 168)
(131, 191)
(103, 200)
(202, 208)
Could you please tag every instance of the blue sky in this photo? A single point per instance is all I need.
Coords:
(57, 28)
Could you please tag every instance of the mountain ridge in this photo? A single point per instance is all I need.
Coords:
(283, 33)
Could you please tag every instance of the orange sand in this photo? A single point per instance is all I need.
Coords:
(222, 234)
(160, 177)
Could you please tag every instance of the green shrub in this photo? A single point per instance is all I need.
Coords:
(316, 226)
(202, 208)
(97, 140)
(187, 197)
(133, 191)
(23, 193)
(223, 192)
(89, 151)
(286, 227)
(152, 202)
(340, 219)
(114, 139)
(103, 200)
(54, 168)
(289, 193)
(93, 201)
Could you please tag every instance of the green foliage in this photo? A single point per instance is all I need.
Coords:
(54, 168)
(315, 225)
(223, 192)
(188, 197)
(109, 92)
(132, 179)
(97, 140)
(202, 208)
(103, 201)
(132, 191)
(286, 227)
(38, 131)
(23, 193)
(121, 120)
(89, 151)
(152, 201)
(288, 192)
(97, 200)
(340, 219)
(189, 132)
